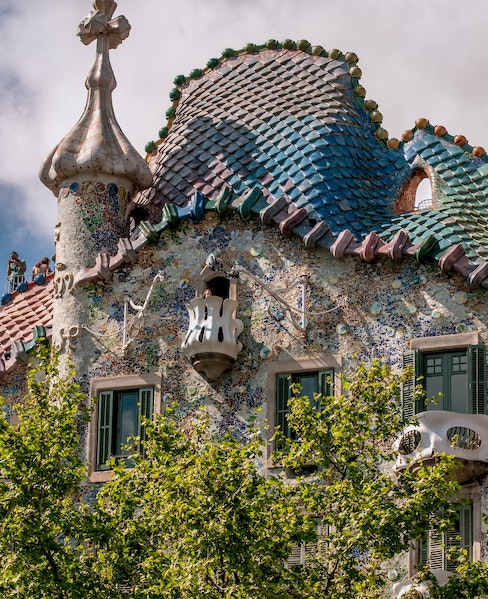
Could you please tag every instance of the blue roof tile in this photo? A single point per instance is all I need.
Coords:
(276, 116)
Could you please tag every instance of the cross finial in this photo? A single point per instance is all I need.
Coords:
(100, 22)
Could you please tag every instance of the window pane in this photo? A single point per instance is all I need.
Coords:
(446, 373)
(434, 386)
(127, 419)
(309, 385)
(459, 393)
(434, 365)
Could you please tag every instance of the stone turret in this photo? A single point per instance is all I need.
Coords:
(93, 171)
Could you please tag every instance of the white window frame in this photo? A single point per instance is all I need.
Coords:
(99, 386)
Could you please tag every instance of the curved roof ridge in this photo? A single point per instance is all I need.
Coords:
(441, 132)
(355, 73)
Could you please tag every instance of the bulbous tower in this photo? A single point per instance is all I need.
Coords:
(93, 171)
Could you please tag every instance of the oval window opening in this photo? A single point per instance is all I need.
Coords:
(409, 442)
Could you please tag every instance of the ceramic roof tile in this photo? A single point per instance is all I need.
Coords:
(25, 311)
(290, 120)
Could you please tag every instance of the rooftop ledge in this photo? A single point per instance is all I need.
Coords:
(463, 436)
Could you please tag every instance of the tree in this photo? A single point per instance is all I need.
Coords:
(369, 513)
(43, 525)
(196, 516)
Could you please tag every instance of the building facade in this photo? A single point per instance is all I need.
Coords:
(274, 230)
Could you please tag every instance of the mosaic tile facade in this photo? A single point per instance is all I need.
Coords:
(273, 161)
(358, 311)
(96, 211)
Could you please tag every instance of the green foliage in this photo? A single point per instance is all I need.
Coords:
(371, 515)
(41, 520)
(469, 582)
(198, 517)
(208, 523)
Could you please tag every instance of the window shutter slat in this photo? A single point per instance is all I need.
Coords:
(282, 397)
(146, 396)
(477, 378)
(408, 387)
(104, 441)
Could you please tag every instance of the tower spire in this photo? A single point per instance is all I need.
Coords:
(96, 144)
(93, 171)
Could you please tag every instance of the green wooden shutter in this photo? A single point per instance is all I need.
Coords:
(423, 551)
(305, 554)
(326, 382)
(296, 556)
(477, 378)
(146, 400)
(325, 385)
(104, 440)
(282, 397)
(466, 529)
(460, 536)
(435, 550)
(409, 406)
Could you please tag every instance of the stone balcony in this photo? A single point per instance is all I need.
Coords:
(419, 590)
(464, 436)
(211, 342)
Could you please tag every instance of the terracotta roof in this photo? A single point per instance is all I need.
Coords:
(24, 317)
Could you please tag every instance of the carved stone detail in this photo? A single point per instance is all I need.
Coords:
(63, 284)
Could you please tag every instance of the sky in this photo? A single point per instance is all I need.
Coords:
(419, 58)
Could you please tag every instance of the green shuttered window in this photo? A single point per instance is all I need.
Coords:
(120, 416)
(306, 554)
(310, 382)
(434, 550)
(457, 378)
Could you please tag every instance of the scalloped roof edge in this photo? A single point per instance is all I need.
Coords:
(296, 222)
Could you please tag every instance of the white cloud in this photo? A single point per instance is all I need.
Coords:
(418, 59)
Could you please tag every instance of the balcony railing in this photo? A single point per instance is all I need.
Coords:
(465, 436)
(12, 282)
(211, 342)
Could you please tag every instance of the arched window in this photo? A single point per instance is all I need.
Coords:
(417, 193)
(423, 195)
